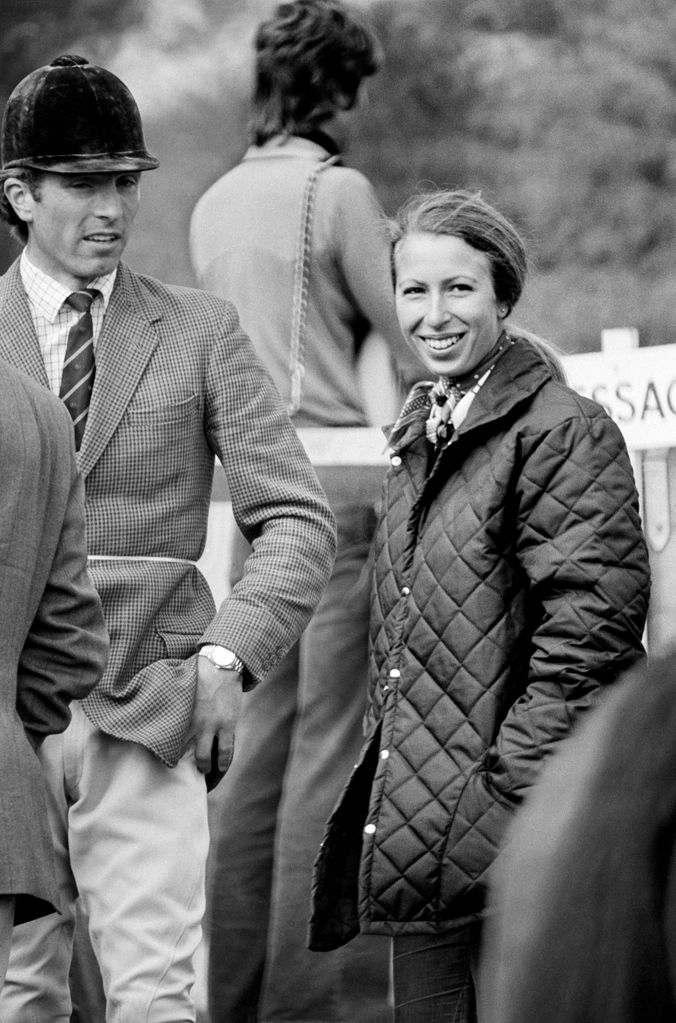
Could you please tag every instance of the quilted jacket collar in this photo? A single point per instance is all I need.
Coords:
(517, 376)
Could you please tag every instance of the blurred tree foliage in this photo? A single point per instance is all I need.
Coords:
(31, 28)
(563, 112)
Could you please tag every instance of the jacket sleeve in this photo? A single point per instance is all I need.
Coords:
(580, 543)
(66, 649)
(277, 503)
(582, 548)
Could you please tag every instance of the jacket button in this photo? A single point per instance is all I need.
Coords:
(406, 590)
(395, 460)
(395, 673)
(370, 829)
(384, 754)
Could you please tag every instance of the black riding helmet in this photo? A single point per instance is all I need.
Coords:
(73, 117)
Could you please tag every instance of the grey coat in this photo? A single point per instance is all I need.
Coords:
(53, 643)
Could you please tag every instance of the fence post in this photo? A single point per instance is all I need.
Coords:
(618, 339)
(652, 470)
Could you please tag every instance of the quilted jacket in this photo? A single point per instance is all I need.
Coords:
(511, 582)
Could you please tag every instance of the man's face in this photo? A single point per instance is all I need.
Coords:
(78, 224)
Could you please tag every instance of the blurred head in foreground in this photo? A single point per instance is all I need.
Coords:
(585, 892)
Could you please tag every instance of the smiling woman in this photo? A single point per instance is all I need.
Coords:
(459, 268)
(510, 585)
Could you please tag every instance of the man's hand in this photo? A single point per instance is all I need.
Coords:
(218, 704)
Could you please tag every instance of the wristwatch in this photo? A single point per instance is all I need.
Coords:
(221, 657)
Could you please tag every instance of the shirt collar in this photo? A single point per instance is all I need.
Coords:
(287, 146)
(47, 295)
(323, 139)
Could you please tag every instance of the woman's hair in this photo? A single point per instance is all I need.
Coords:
(33, 179)
(466, 215)
(548, 352)
(311, 57)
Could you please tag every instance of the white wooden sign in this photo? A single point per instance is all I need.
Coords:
(637, 388)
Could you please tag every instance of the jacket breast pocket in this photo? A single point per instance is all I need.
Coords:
(163, 412)
(154, 441)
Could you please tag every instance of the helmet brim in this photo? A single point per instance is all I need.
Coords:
(93, 164)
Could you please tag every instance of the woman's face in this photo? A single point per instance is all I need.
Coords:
(445, 300)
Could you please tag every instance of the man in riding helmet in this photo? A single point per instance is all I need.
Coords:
(159, 381)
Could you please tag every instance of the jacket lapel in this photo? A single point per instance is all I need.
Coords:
(18, 340)
(127, 341)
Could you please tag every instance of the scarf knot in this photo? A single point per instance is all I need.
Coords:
(444, 396)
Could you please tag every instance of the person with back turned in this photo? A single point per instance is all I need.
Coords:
(297, 238)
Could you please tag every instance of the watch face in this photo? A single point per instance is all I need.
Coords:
(223, 658)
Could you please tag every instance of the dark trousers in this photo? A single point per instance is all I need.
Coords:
(435, 977)
(297, 741)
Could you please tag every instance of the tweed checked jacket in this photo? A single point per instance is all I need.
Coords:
(53, 642)
(511, 583)
(177, 382)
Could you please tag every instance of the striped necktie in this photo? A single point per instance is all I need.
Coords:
(77, 379)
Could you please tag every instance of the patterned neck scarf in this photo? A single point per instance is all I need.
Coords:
(433, 403)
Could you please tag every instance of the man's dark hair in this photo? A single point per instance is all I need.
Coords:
(33, 179)
(311, 57)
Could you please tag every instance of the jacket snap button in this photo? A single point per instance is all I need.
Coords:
(395, 673)
(384, 754)
(395, 460)
(406, 590)
(370, 829)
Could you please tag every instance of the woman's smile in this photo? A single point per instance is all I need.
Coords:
(440, 342)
